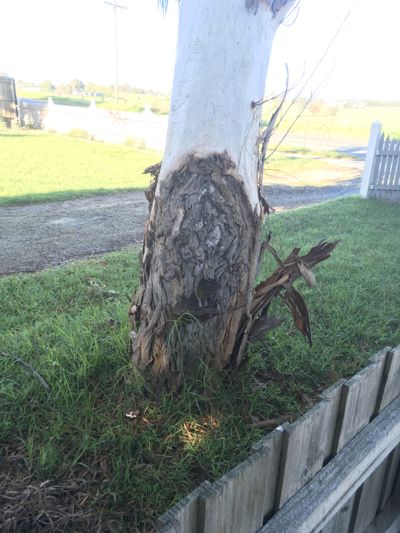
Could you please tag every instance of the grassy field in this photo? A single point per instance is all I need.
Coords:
(37, 166)
(74, 454)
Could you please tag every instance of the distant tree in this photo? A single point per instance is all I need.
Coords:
(92, 88)
(125, 88)
(62, 89)
(76, 86)
(315, 108)
(47, 87)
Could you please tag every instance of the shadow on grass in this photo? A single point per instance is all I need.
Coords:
(60, 196)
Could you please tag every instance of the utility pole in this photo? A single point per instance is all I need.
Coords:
(116, 6)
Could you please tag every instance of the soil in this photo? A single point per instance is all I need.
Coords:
(36, 236)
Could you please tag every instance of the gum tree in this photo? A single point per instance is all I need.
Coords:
(197, 299)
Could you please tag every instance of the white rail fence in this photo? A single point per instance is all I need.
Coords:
(381, 178)
(146, 129)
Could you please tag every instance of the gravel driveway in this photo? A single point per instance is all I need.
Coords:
(35, 236)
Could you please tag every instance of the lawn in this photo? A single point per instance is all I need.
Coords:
(36, 166)
(72, 455)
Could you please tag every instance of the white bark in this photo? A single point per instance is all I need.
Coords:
(222, 59)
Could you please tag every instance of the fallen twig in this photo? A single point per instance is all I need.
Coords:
(29, 367)
(270, 423)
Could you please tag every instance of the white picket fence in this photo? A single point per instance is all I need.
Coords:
(381, 178)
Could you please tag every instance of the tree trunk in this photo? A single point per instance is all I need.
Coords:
(202, 239)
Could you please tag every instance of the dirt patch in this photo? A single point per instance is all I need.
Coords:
(36, 236)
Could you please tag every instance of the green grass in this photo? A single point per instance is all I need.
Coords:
(71, 324)
(37, 166)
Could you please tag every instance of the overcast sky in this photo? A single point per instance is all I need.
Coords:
(64, 39)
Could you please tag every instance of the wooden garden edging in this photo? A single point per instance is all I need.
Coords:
(332, 470)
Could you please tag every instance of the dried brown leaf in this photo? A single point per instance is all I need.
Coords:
(307, 274)
(298, 308)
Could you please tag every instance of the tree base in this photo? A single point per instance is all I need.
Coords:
(197, 303)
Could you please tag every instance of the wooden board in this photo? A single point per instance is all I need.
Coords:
(390, 387)
(357, 406)
(388, 521)
(369, 495)
(359, 400)
(392, 469)
(306, 444)
(340, 523)
(367, 504)
(183, 516)
(239, 500)
(314, 505)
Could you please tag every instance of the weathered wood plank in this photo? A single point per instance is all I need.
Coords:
(396, 488)
(340, 523)
(239, 500)
(368, 501)
(358, 404)
(314, 505)
(390, 387)
(272, 444)
(386, 522)
(183, 516)
(307, 443)
(392, 468)
(333, 396)
(359, 399)
(369, 495)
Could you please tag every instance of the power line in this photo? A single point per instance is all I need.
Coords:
(115, 7)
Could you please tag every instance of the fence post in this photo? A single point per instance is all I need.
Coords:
(369, 159)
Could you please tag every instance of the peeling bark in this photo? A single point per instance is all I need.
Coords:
(201, 250)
